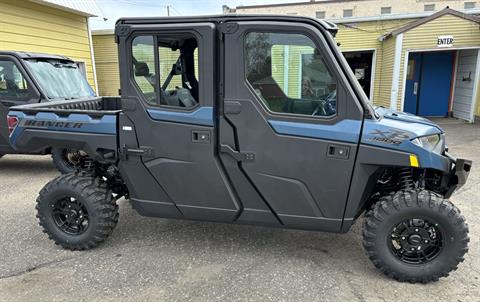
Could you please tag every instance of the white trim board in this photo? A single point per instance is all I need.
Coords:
(396, 72)
(475, 90)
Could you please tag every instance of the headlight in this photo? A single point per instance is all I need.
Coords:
(434, 143)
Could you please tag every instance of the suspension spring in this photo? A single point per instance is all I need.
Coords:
(405, 179)
(88, 165)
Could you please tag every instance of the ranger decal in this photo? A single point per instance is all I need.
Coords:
(49, 124)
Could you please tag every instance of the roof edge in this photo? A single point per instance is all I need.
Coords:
(102, 32)
(63, 8)
(291, 4)
(441, 13)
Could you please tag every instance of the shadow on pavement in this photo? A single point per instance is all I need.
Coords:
(25, 164)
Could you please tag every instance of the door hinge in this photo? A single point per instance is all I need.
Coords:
(143, 151)
(238, 156)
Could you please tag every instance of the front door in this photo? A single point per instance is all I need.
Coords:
(428, 85)
(15, 89)
(290, 122)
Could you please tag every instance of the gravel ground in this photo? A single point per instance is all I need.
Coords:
(171, 260)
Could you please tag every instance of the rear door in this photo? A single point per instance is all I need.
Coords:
(15, 89)
(290, 121)
(172, 115)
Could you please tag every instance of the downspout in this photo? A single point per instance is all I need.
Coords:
(92, 56)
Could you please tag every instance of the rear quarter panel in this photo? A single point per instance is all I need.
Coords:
(40, 130)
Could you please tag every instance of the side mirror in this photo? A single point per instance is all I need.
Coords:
(141, 69)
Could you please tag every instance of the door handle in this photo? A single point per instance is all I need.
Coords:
(415, 88)
(201, 136)
(338, 151)
(238, 156)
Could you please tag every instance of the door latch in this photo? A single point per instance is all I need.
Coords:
(238, 156)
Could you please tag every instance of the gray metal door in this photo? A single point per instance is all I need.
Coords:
(290, 121)
(176, 143)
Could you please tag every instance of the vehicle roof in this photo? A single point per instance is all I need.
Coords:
(22, 55)
(331, 27)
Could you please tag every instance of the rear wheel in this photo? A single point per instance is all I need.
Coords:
(415, 236)
(66, 160)
(77, 212)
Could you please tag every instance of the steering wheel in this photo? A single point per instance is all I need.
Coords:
(323, 104)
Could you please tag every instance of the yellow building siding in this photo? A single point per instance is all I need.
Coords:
(106, 62)
(364, 36)
(424, 37)
(385, 74)
(28, 26)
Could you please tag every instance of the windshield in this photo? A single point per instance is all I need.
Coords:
(60, 80)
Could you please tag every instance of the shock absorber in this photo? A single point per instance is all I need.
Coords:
(405, 179)
(87, 165)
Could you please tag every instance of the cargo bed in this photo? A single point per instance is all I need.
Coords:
(86, 124)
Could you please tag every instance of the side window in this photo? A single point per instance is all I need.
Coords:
(177, 82)
(144, 67)
(13, 85)
(289, 75)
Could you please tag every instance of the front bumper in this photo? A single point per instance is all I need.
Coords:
(459, 170)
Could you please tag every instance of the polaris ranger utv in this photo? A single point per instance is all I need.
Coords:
(30, 78)
(250, 120)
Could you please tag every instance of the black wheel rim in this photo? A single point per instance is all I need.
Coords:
(416, 241)
(70, 216)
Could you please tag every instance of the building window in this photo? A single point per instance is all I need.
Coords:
(347, 13)
(469, 5)
(289, 75)
(386, 10)
(429, 7)
(320, 15)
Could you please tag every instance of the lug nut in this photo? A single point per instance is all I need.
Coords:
(403, 238)
(416, 230)
(426, 241)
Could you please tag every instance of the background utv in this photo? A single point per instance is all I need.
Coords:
(211, 127)
(31, 78)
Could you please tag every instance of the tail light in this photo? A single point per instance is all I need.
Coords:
(12, 122)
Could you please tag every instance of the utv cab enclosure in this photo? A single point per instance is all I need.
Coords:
(32, 78)
(250, 120)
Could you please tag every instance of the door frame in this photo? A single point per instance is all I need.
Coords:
(477, 74)
(374, 68)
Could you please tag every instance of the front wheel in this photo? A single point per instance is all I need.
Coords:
(78, 212)
(415, 236)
